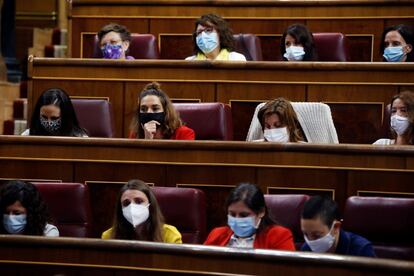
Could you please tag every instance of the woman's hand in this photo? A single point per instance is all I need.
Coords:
(150, 129)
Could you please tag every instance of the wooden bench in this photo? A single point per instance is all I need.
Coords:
(172, 21)
(70, 256)
(356, 92)
(338, 171)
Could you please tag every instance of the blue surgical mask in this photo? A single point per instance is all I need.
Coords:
(394, 54)
(207, 42)
(14, 224)
(294, 53)
(110, 51)
(242, 227)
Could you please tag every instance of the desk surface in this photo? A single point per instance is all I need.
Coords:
(337, 171)
(20, 253)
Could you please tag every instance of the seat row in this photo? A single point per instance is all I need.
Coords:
(386, 222)
(210, 121)
(329, 47)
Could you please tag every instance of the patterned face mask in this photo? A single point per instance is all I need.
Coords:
(51, 126)
(112, 51)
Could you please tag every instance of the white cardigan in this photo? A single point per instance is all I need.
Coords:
(314, 118)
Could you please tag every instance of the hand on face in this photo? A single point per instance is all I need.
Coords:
(150, 129)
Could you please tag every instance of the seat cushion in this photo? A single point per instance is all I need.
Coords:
(184, 208)
(95, 115)
(386, 222)
(68, 203)
(210, 121)
(249, 45)
(287, 210)
(331, 46)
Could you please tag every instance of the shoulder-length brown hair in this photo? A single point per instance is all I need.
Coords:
(287, 116)
(172, 119)
(222, 28)
(151, 229)
(407, 97)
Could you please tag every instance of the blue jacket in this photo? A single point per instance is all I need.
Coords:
(350, 244)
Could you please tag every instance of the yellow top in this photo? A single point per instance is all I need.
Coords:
(223, 55)
(171, 234)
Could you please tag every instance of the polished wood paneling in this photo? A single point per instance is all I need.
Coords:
(252, 82)
(70, 256)
(357, 123)
(214, 167)
(256, 16)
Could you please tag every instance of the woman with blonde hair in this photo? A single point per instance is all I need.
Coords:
(138, 216)
(156, 117)
(279, 122)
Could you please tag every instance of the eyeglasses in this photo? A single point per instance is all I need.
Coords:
(207, 30)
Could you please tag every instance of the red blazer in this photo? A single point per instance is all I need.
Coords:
(181, 133)
(273, 237)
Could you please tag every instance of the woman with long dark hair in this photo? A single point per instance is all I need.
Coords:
(249, 223)
(24, 211)
(54, 115)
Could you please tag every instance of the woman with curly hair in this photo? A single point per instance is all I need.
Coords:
(24, 211)
(213, 40)
(156, 117)
(297, 44)
(279, 122)
(138, 216)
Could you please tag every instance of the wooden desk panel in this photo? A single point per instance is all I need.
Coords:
(243, 85)
(214, 167)
(70, 256)
(363, 19)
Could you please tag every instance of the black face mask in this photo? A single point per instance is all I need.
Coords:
(147, 117)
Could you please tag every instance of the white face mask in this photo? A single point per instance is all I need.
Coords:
(135, 213)
(277, 135)
(294, 53)
(399, 124)
(323, 244)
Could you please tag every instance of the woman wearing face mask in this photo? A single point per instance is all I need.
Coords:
(114, 41)
(24, 212)
(402, 120)
(397, 44)
(54, 115)
(297, 44)
(156, 117)
(138, 216)
(249, 223)
(279, 121)
(213, 40)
